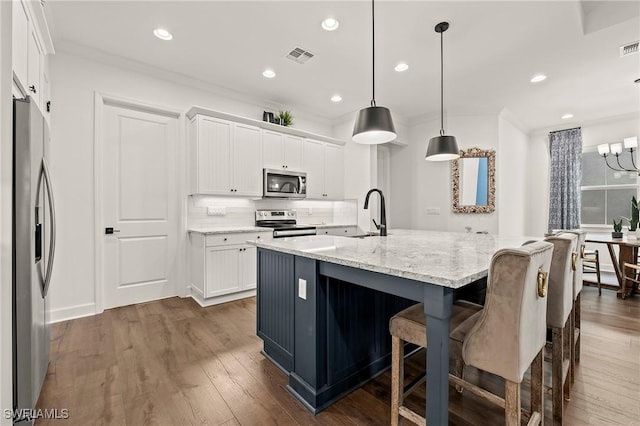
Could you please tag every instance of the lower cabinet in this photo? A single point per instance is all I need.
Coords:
(223, 268)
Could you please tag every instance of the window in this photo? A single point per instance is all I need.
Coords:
(606, 194)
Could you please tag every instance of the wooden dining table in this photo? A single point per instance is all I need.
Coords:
(628, 253)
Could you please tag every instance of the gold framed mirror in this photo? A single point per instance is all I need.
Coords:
(473, 178)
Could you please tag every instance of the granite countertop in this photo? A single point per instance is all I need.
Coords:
(448, 259)
(227, 229)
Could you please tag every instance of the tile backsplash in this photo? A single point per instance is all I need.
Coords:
(241, 211)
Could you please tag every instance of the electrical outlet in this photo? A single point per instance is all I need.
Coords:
(216, 211)
(310, 211)
(433, 211)
(302, 289)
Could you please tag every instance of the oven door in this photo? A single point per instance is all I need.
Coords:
(281, 184)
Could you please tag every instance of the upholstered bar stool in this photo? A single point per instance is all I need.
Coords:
(409, 325)
(575, 311)
(509, 334)
(559, 306)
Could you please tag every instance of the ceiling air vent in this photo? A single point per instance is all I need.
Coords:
(629, 49)
(300, 55)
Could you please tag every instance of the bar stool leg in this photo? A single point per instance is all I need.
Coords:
(572, 341)
(397, 379)
(556, 375)
(566, 355)
(537, 386)
(577, 325)
(512, 403)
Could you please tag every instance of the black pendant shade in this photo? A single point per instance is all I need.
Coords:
(374, 125)
(443, 147)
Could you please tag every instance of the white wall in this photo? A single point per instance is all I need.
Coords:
(418, 185)
(511, 193)
(6, 172)
(74, 81)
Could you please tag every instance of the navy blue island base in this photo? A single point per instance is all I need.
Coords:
(337, 338)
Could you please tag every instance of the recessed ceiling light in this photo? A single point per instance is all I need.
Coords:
(269, 73)
(401, 67)
(330, 24)
(538, 78)
(336, 98)
(162, 34)
(567, 116)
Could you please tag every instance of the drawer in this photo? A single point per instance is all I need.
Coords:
(235, 239)
(345, 231)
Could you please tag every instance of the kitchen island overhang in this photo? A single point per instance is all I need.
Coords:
(324, 303)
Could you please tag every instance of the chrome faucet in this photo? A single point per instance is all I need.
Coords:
(383, 215)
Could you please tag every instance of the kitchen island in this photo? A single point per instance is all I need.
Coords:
(324, 303)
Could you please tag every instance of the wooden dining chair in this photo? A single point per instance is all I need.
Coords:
(631, 279)
(591, 265)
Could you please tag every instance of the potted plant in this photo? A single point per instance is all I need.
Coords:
(286, 118)
(617, 229)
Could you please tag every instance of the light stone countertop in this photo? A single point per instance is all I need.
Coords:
(228, 229)
(448, 259)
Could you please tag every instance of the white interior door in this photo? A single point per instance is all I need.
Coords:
(139, 201)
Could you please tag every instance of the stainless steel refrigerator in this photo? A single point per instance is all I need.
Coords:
(34, 239)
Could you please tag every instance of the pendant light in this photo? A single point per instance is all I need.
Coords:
(443, 147)
(373, 124)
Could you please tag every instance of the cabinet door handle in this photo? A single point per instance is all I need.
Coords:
(32, 88)
(224, 239)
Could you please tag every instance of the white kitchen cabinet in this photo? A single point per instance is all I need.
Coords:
(46, 89)
(223, 267)
(33, 69)
(20, 47)
(333, 172)
(324, 164)
(225, 157)
(281, 151)
(246, 165)
(223, 271)
(30, 46)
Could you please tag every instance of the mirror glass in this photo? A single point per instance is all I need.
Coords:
(473, 181)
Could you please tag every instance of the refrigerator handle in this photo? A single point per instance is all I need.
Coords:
(52, 228)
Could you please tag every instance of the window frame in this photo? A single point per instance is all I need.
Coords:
(635, 186)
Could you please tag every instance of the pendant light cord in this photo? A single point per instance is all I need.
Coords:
(441, 85)
(373, 53)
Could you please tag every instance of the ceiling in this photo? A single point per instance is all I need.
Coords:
(492, 49)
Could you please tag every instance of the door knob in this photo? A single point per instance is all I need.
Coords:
(110, 231)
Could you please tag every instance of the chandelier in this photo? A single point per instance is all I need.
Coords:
(630, 144)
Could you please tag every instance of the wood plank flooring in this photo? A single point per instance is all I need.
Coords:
(171, 362)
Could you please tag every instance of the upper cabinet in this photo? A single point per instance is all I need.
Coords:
(224, 157)
(31, 46)
(324, 164)
(21, 36)
(227, 154)
(281, 151)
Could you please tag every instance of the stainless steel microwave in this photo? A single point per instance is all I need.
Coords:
(284, 184)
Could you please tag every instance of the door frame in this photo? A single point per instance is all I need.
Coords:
(101, 100)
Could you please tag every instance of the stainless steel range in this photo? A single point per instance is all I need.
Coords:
(283, 222)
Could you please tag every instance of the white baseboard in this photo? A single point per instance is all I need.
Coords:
(72, 312)
(197, 296)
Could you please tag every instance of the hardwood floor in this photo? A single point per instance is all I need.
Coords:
(171, 362)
